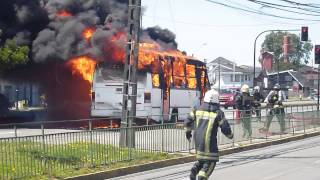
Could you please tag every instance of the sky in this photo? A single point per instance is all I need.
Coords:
(208, 30)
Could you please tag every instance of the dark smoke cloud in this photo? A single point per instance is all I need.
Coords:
(63, 38)
(164, 37)
(20, 16)
(36, 23)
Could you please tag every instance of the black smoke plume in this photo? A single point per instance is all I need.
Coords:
(53, 29)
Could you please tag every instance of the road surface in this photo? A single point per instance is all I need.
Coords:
(290, 161)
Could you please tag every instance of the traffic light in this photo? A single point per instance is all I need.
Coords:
(304, 33)
(317, 54)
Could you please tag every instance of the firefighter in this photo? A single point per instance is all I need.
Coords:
(257, 100)
(206, 120)
(274, 102)
(244, 104)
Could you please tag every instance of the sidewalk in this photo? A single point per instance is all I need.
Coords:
(226, 149)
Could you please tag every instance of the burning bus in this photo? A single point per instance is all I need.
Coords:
(168, 82)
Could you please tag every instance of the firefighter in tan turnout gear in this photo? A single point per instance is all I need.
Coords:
(206, 120)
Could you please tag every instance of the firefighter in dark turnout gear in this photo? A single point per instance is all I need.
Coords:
(257, 100)
(244, 103)
(274, 102)
(206, 120)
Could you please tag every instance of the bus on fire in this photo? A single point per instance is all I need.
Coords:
(167, 83)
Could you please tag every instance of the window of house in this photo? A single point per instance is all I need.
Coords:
(237, 78)
(231, 78)
(246, 77)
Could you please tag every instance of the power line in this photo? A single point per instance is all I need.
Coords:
(213, 25)
(271, 5)
(300, 4)
(260, 13)
(285, 6)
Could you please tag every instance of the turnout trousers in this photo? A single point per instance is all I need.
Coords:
(280, 115)
(246, 123)
(203, 169)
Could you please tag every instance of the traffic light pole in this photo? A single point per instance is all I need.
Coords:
(254, 49)
(318, 87)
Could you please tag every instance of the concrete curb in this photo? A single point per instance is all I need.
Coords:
(133, 169)
(170, 162)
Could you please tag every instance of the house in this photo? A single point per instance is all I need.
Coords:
(310, 74)
(292, 80)
(232, 75)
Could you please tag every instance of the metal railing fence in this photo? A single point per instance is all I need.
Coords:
(50, 152)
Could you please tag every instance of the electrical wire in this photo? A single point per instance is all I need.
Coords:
(285, 6)
(259, 12)
(271, 5)
(300, 4)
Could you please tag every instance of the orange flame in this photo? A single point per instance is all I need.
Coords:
(116, 47)
(83, 66)
(88, 33)
(64, 13)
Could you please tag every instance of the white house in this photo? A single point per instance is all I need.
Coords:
(230, 74)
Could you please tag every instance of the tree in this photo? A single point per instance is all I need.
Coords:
(12, 55)
(299, 52)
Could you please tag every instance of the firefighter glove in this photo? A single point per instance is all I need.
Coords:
(188, 135)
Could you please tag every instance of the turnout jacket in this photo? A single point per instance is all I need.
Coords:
(244, 102)
(206, 121)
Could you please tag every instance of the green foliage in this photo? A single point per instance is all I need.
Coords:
(299, 52)
(49, 161)
(11, 55)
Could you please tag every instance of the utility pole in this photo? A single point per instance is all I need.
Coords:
(219, 75)
(127, 135)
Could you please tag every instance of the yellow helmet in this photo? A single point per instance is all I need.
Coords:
(245, 88)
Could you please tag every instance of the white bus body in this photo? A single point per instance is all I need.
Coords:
(151, 102)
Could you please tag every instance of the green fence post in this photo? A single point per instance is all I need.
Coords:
(162, 135)
(91, 143)
(15, 131)
(233, 128)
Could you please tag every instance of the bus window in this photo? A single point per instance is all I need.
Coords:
(191, 76)
(112, 73)
(179, 80)
(155, 80)
(203, 80)
(155, 68)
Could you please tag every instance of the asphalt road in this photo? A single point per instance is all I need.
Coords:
(290, 161)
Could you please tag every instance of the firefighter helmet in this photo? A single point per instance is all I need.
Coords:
(211, 96)
(276, 87)
(245, 88)
(257, 88)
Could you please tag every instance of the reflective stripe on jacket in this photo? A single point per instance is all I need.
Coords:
(206, 121)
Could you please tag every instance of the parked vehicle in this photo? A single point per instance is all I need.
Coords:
(228, 98)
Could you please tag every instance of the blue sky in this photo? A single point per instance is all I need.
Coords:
(208, 30)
